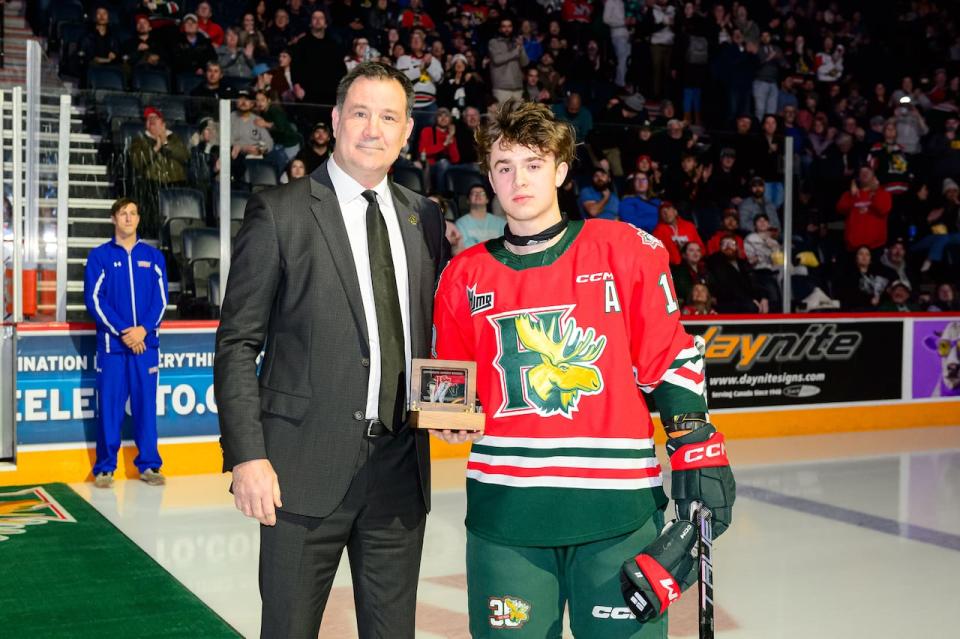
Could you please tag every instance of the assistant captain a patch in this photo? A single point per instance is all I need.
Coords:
(479, 302)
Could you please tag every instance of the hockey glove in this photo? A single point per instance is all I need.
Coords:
(654, 579)
(701, 472)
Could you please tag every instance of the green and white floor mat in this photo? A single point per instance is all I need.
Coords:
(68, 572)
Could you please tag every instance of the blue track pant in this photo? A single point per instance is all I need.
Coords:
(123, 376)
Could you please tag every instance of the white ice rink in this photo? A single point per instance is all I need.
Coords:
(849, 535)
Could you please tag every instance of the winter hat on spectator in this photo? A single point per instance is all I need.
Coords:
(728, 152)
(634, 102)
(459, 57)
(150, 110)
(260, 68)
(189, 16)
(949, 184)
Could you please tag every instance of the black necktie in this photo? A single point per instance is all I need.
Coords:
(389, 321)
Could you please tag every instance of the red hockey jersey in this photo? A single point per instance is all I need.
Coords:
(562, 340)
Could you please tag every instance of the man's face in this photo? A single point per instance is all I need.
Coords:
(244, 104)
(190, 27)
(416, 42)
(573, 103)
(371, 128)
(472, 118)
(731, 222)
(727, 162)
(899, 294)
(321, 136)
(318, 21)
(143, 27)
(743, 125)
(865, 177)
(506, 28)
(102, 17)
(154, 124)
(757, 190)
(443, 120)
(213, 74)
(952, 195)
(525, 181)
(263, 103)
(687, 164)
(728, 246)
(789, 114)
(668, 215)
(281, 18)
(125, 220)
(478, 197)
(600, 180)
(675, 131)
(765, 37)
(896, 253)
(533, 77)
(204, 11)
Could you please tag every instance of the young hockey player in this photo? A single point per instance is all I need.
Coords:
(565, 320)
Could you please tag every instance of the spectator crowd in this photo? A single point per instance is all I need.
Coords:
(683, 112)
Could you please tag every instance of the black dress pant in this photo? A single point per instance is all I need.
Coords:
(380, 522)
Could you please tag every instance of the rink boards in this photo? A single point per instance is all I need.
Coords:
(787, 375)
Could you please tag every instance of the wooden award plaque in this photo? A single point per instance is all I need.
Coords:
(443, 395)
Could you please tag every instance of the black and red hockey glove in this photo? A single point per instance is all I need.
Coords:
(701, 472)
(655, 578)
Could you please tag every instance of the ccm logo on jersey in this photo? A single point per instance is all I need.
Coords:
(609, 612)
(594, 277)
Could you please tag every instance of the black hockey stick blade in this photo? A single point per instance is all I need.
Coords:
(704, 522)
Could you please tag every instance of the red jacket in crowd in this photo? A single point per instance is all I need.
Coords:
(866, 214)
(675, 239)
(432, 143)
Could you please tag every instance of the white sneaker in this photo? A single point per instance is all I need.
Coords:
(153, 477)
(103, 480)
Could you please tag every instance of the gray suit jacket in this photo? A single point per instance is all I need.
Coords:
(293, 289)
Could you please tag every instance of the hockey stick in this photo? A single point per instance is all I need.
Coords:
(702, 517)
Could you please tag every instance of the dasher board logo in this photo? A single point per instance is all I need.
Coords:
(26, 507)
(479, 301)
(545, 361)
(508, 612)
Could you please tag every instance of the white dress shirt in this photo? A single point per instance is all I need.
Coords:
(353, 207)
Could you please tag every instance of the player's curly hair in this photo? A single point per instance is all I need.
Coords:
(528, 124)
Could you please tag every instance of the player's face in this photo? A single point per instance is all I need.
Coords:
(526, 182)
(125, 220)
(371, 128)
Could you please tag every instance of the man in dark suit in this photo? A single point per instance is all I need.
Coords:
(334, 277)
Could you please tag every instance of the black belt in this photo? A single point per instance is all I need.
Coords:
(375, 428)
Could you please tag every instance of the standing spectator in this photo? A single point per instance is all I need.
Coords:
(279, 33)
(207, 26)
(756, 204)
(100, 46)
(693, 66)
(438, 143)
(414, 17)
(479, 225)
(236, 61)
(507, 59)
(274, 119)
(865, 208)
(767, 79)
(770, 154)
(532, 41)
(192, 50)
(319, 148)
(614, 16)
(247, 138)
(746, 25)
(599, 199)
(317, 65)
(765, 257)
(829, 62)
(572, 111)
(159, 159)
(639, 207)
(205, 155)
(661, 45)
(911, 127)
(674, 231)
(125, 289)
(860, 284)
(734, 68)
(730, 280)
(423, 70)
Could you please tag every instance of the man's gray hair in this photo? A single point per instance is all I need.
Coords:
(375, 71)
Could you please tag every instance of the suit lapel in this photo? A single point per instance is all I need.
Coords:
(326, 210)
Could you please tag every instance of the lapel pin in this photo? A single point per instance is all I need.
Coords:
(412, 219)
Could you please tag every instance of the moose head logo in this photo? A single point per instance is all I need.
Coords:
(544, 369)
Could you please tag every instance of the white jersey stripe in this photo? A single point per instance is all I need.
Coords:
(565, 482)
(604, 443)
(564, 462)
(96, 303)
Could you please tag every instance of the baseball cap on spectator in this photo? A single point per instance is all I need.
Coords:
(459, 57)
(877, 120)
(755, 180)
(152, 111)
(204, 123)
(260, 68)
(634, 102)
(897, 283)
(646, 125)
(190, 16)
(442, 111)
(731, 211)
(666, 204)
(320, 125)
(949, 185)
(728, 152)
(245, 93)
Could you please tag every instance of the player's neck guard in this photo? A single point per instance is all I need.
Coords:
(538, 238)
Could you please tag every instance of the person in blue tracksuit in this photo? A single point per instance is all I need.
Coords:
(125, 289)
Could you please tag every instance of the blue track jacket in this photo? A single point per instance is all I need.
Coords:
(125, 289)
